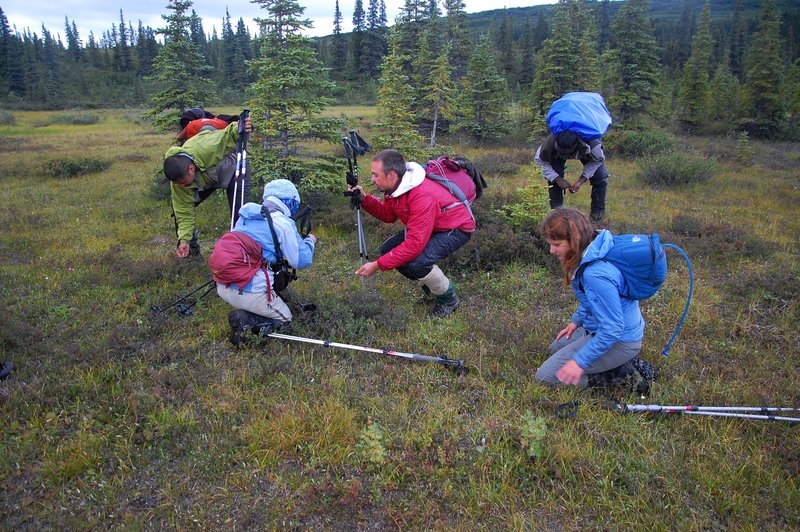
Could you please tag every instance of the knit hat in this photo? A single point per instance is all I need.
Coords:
(284, 190)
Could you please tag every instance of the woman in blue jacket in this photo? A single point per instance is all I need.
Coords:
(604, 336)
(257, 305)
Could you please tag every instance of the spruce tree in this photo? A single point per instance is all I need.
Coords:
(764, 80)
(239, 79)
(506, 49)
(558, 61)
(793, 91)
(481, 108)
(456, 32)
(180, 68)
(738, 42)
(374, 41)
(395, 100)
(73, 41)
(290, 92)
(632, 66)
(438, 91)
(228, 46)
(527, 59)
(5, 49)
(725, 90)
(122, 54)
(358, 40)
(339, 52)
(694, 95)
(197, 34)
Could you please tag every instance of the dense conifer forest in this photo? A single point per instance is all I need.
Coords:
(721, 64)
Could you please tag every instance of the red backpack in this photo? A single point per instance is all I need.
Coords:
(236, 259)
(201, 124)
(459, 176)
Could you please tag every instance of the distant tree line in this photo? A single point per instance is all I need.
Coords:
(737, 69)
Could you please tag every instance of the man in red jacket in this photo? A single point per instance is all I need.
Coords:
(436, 224)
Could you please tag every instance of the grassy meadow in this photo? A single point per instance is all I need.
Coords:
(115, 418)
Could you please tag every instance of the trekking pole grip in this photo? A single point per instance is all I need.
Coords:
(241, 129)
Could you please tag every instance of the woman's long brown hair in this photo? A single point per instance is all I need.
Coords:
(574, 227)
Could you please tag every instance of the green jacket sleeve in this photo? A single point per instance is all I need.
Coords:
(183, 207)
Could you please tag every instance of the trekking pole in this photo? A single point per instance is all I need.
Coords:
(764, 413)
(184, 310)
(241, 166)
(354, 146)
(665, 352)
(456, 366)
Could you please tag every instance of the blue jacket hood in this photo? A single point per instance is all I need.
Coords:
(599, 247)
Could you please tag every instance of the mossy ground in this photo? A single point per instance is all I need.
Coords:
(115, 418)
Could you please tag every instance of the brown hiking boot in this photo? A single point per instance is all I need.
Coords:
(442, 310)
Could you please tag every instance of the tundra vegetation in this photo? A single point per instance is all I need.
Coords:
(119, 418)
(116, 418)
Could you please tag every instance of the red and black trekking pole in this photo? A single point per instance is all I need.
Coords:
(456, 366)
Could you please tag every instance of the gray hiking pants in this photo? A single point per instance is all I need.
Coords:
(563, 350)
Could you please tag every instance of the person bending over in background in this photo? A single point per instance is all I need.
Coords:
(552, 157)
(204, 164)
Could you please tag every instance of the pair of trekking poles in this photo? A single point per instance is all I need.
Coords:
(761, 413)
(354, 146)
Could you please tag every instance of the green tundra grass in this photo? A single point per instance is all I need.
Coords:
(115, 418)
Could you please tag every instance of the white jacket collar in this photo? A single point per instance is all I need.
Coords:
(413, 177)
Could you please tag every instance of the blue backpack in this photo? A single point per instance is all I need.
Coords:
(583, 113)
(642, 261)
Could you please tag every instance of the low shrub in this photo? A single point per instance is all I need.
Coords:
(638, 143)
(719, 240)
(76, 119)
(497, 163)
(7, 118)
(674, 169)
(66, 168)
(497, 242)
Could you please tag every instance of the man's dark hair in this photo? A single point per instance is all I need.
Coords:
(392, 160)
(176, 167)
(566, 142)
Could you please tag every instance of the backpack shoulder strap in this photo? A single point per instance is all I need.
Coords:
(278, 254)
(453, 189)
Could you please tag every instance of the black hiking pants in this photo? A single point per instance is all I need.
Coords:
(599, 182)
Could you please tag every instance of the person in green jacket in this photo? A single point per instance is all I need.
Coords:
(203, 164)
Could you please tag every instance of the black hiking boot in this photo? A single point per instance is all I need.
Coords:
(444, 309)
(6, 369)
(634, 376)
(243, 322)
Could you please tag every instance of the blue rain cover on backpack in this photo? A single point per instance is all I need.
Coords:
(641, 260)
(584, 113)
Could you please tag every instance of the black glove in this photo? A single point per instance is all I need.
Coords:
(355, 199)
